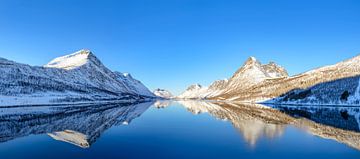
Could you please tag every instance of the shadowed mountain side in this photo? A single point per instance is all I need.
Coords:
(254, 121)
(80, 125)
(340, 91)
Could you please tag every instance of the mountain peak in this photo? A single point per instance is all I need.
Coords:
(251, 59)
(73, 60)
(127, 75)
(250, 62)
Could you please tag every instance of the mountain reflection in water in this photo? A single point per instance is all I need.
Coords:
(255, 120)
(82, 125)
(79, 125)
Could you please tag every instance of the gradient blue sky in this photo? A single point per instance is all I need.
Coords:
(173, 43)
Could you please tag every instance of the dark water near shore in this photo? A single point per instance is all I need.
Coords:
(186, 129)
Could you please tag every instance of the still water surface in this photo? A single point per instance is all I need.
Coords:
(182, 129)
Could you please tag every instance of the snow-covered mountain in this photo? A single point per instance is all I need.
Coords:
(162, 93)
(76, 77)
(251, 73)
(270, 83)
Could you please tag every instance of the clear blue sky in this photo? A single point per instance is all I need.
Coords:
(174, 43)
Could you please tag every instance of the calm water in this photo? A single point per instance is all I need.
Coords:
(187, 129)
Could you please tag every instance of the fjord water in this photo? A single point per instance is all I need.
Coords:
(181, 129)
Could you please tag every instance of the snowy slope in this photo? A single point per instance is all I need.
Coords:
(133, 85)
(76, 77)
(73, 60)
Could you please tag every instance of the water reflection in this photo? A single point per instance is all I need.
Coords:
(80, 125)
(347, 118)
(162, 103)
(254, 121)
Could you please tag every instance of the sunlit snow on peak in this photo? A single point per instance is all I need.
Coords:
(71, 61)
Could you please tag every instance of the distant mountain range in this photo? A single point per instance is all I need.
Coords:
(81, 77)
(254, 82)
(162, 93)
(72, 78)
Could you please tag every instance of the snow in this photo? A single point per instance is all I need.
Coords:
(71, 61)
